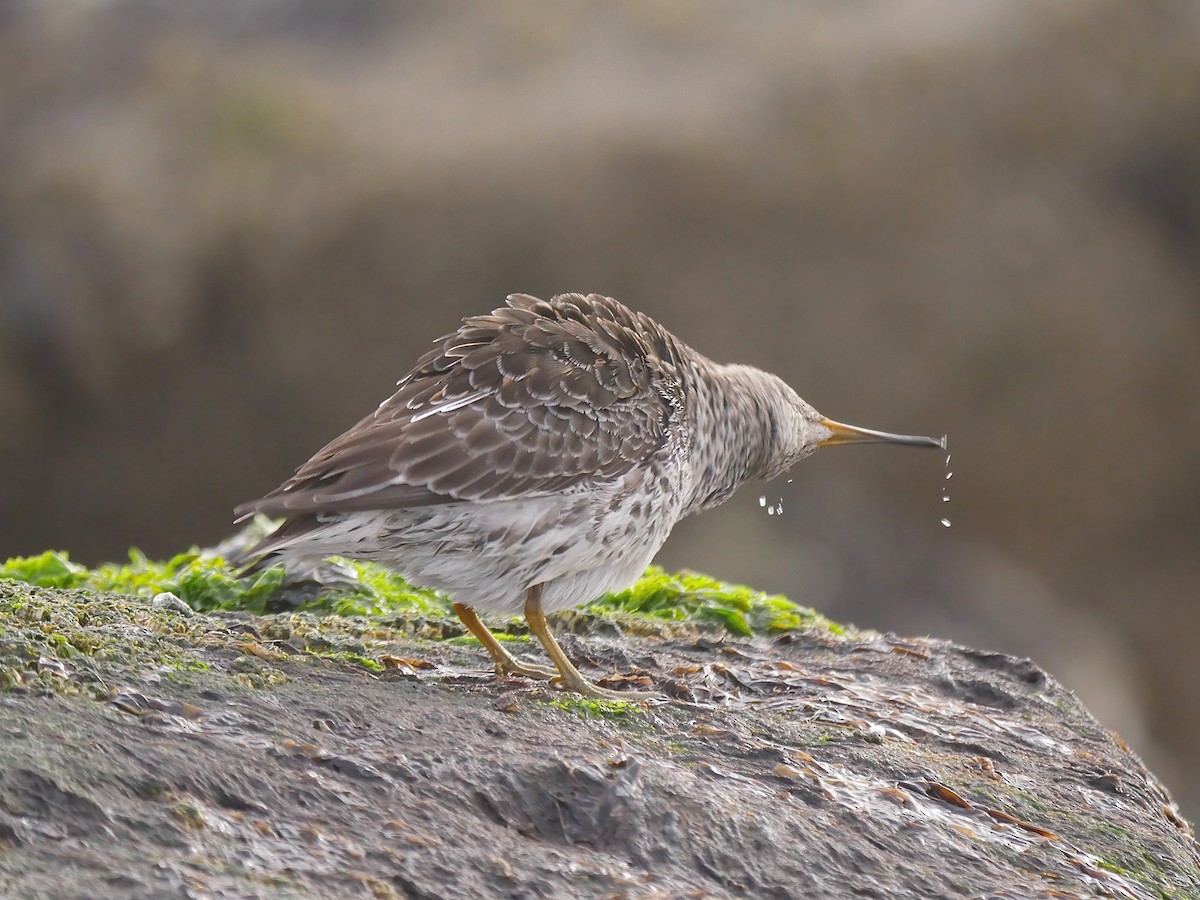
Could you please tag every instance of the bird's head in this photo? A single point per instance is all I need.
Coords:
(798, 430)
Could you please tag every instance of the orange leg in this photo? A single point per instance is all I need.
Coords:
(568, 678)
(506, 663)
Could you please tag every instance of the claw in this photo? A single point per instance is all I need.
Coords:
(568, 677)
(564, 678)
(506, 663)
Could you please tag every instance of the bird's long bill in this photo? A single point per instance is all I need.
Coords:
(852, 434)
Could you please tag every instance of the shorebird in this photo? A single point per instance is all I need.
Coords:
(537, 458)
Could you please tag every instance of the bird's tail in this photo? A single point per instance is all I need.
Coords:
(259, 545)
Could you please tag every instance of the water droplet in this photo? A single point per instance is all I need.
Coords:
(949, 475)
(762, 501)
(770, 510)
(789, 481)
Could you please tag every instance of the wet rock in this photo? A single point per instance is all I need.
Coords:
(167, 600)
(819, 767)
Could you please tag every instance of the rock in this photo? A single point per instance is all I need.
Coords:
(167, 600)
(814, 766)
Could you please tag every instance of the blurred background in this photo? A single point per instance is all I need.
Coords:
(227, 229)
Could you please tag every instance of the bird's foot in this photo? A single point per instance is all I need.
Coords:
(505, 662)
(568, 677)
(510, 665)
(573, 681)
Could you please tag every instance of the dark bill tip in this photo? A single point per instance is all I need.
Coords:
(852, 434)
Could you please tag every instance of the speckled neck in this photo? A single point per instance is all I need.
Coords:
(744, 424)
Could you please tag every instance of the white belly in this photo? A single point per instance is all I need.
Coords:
(577, 545)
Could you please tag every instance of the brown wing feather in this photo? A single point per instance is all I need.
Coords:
(532, 399)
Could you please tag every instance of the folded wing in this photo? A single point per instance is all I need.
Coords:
(532, 399)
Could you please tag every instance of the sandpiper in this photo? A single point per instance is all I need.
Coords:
(538, 457)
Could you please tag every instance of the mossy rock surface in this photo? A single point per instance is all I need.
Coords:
(152, 749)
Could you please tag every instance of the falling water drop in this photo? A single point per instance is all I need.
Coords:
(946, 488)
(762, 501)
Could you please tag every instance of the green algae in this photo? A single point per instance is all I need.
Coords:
(375, 591)
(51, 569)
(106, 625)
(207, 583)
(82, 642)
(594, 708)
(85, 642)
(1129, 857)
(1128, 854)
(698, 600)
(351, 659)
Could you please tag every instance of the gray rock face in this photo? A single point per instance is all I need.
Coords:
(816, 766)
(226, 232)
